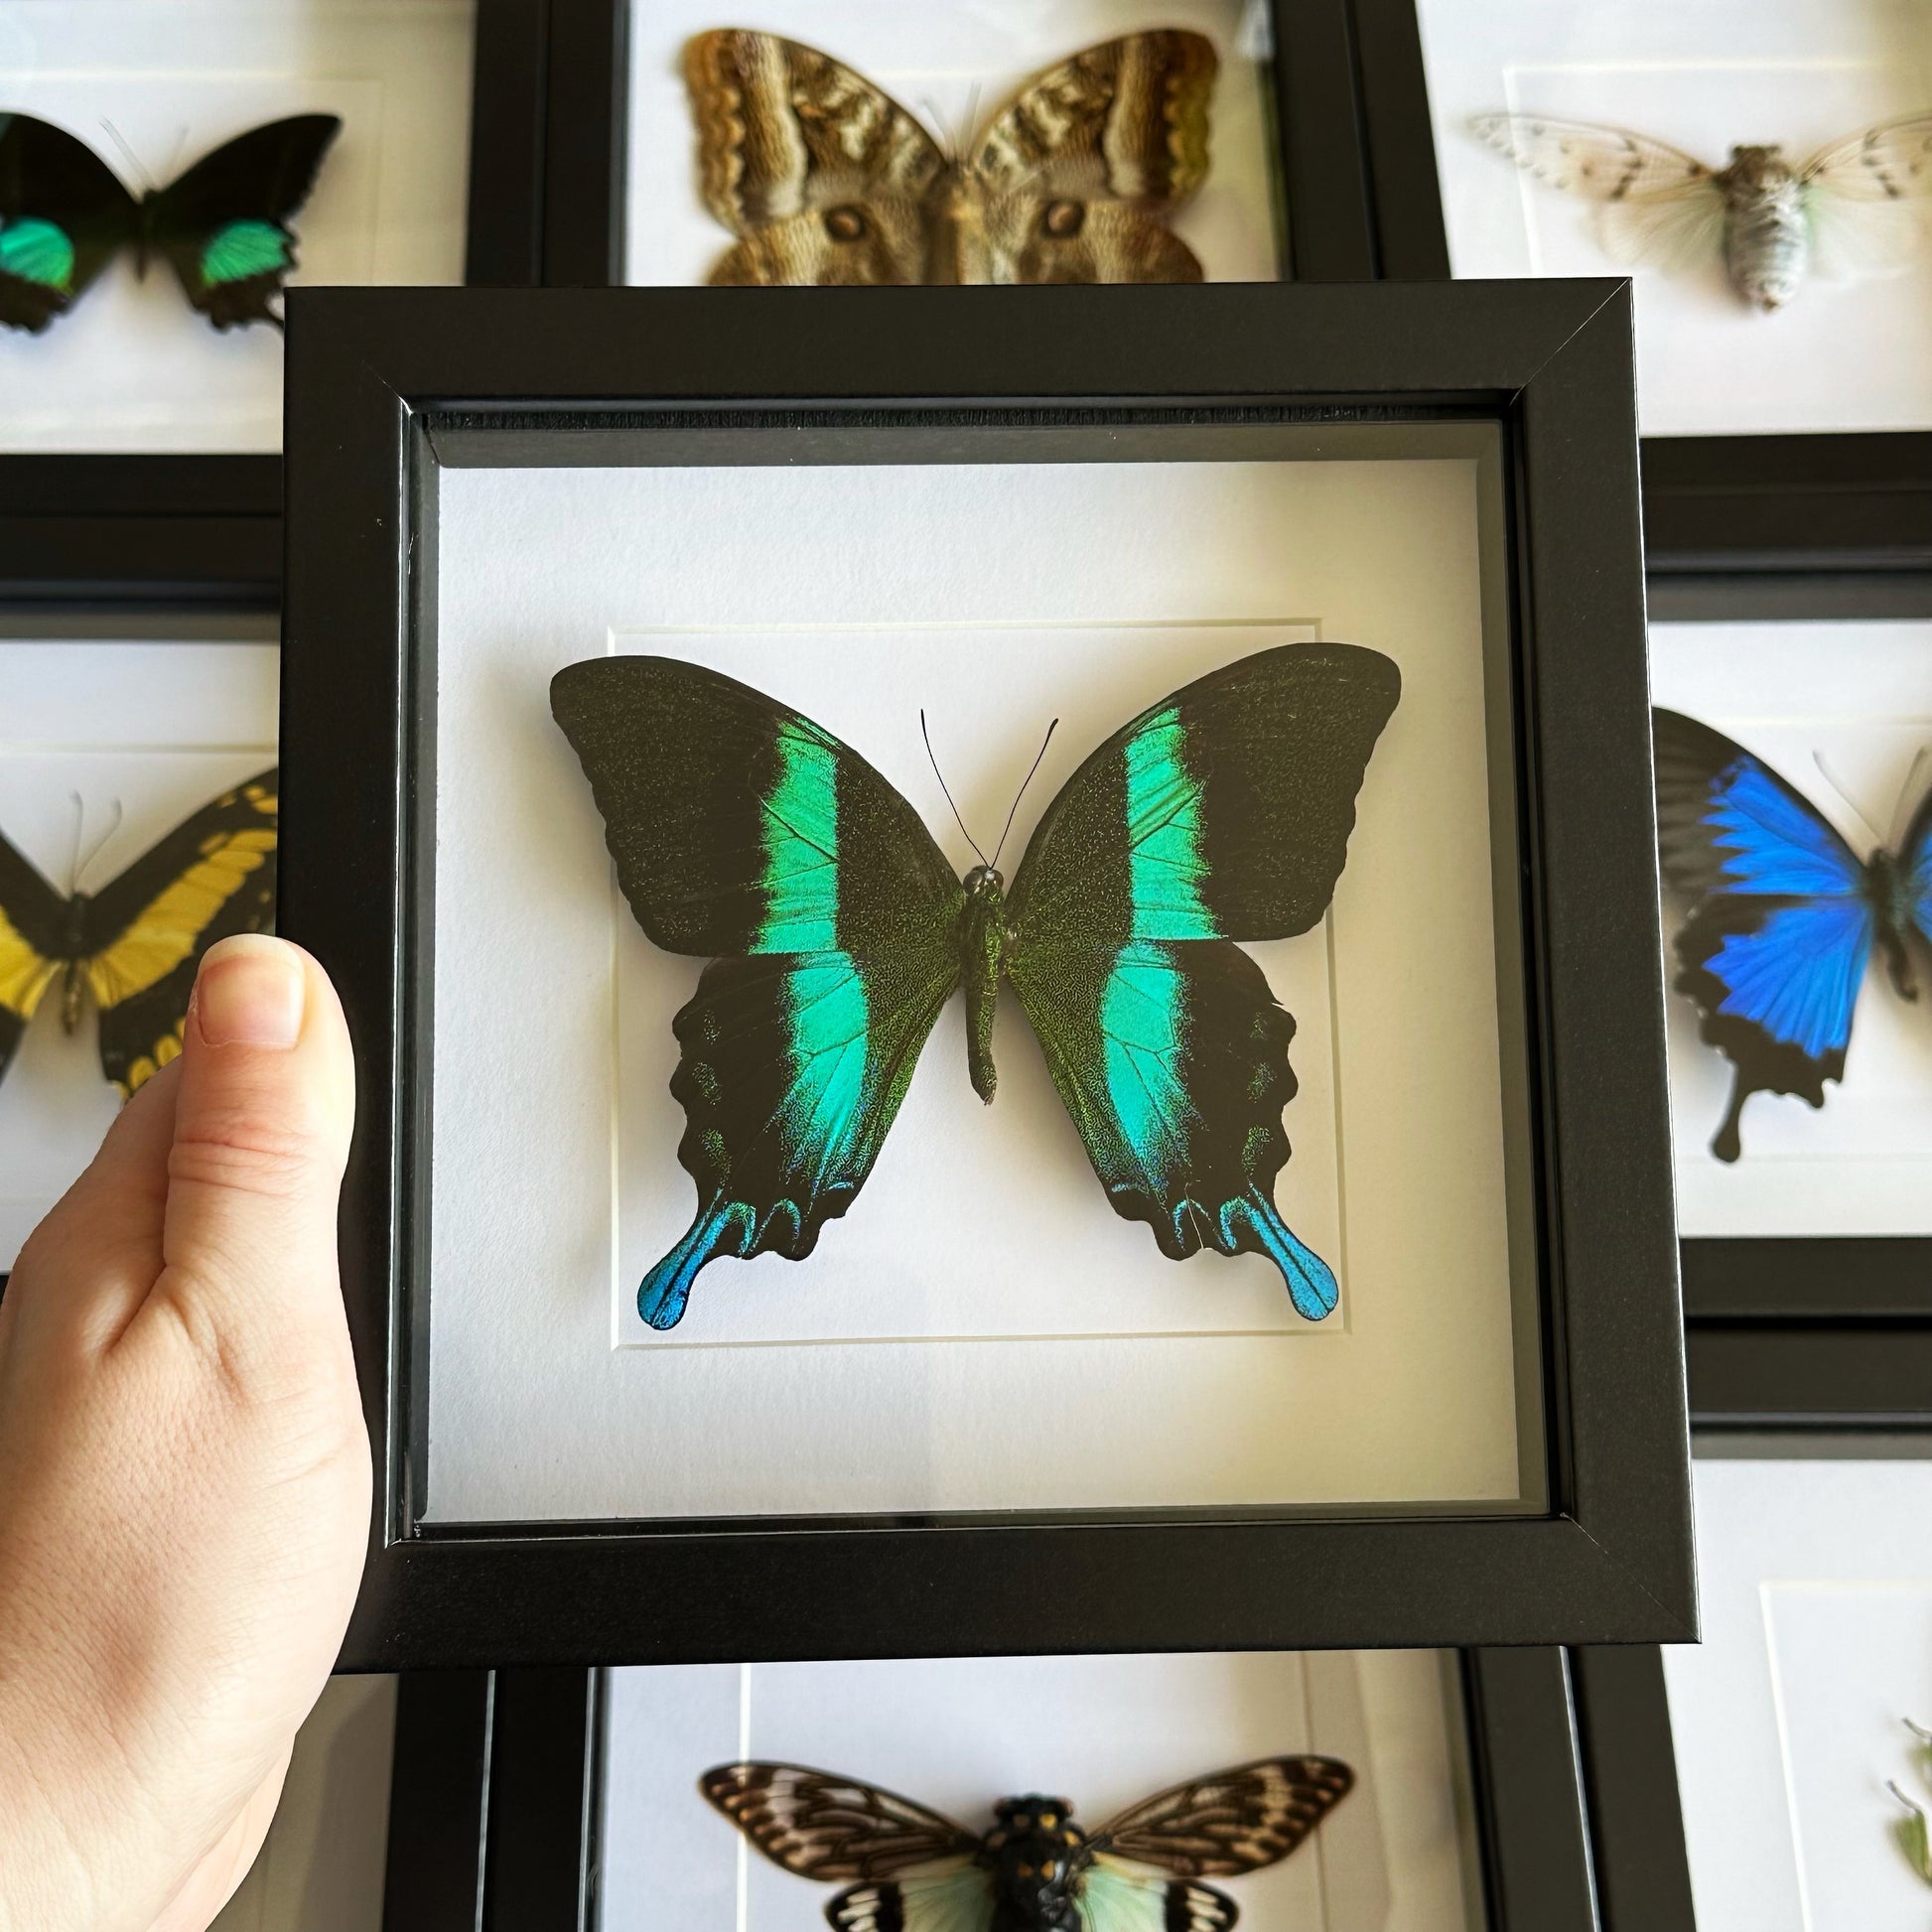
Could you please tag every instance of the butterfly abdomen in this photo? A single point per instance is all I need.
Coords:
(1767, 232)
(982, 958)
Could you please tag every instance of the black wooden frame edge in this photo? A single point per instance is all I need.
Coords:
(205, 528)
(1317, 144)
(1784, 501)
(1811, 1375)
(1617, 1565)
(498, 1781)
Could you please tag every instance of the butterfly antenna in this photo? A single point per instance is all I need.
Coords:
(94, 851)
(1021, 792)
(1831, 778)
(135, 166)
(1918, 1731)
(1905, 791)
(941, 776)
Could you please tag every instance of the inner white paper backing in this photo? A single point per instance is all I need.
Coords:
(1842, 712)
(1815, 1580)
(981, 1330)
(1102, 1732)
(104, 748)
(1842, 354)
(953, 67)
(155, 85)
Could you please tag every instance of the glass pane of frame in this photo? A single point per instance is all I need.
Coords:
(1791, 1717)
(109, 743)
(1832, 243)
(1157, 160)
(1841, 713)
(1101, 1732)
(151, 90)
(980, 1332)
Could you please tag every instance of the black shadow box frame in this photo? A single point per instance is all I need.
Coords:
(101, 604)
(1324, 219)
(497, 1815)
(1832, 1332)
(386, 385)
(202, 529)
(1794, 503)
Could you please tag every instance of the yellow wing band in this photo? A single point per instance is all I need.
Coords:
(166, 1048)
(170, 926)
(25, 974)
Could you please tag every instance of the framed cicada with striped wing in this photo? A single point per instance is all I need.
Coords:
(903, 1867)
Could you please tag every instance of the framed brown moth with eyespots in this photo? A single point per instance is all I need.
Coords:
(827, 180)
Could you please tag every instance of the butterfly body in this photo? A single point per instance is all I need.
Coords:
(827, 180)
(1772, 222)
(908, 1868)
(223, 225)
(1785, 917)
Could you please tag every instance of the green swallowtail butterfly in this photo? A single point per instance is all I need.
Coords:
(223, 224)
(910, 1870)
(837, 931)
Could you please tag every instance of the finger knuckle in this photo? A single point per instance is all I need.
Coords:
(247, 1154)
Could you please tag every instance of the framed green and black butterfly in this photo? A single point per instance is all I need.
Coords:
(223, 224)
(910, 1870)
(135, 944)
(837, 931)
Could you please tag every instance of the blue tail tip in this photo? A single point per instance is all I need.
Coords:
(722, 1228)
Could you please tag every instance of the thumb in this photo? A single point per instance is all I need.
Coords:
(262, 1116)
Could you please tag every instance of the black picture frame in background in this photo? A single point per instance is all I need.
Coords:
(1323, 213)
(1827, 1333)
(1792, 502)
(205, 529)
(386, 385)
(496, 1817)
(102, 607)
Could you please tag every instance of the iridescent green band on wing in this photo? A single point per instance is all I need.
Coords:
(38, 251)
(242, 251)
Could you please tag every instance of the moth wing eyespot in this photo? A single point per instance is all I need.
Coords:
(1062, 221)
(845, 223)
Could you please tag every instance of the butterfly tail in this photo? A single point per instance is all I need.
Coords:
(1252, 1224)
(723, 1227)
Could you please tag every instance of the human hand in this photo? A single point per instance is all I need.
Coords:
(184, 1470)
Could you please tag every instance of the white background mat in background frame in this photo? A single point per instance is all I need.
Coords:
(1802, 73)
(1862, 695)
(158, 729)
(131, 366)
(535, 1416)
(953, 67)
(1101, 1732)
(1816, 1583)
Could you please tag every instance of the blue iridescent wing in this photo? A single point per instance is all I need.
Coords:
(1782, 922)
(1915, 869)
(744, 832)
(1220, 814)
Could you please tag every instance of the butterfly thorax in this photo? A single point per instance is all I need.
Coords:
(74, 947)
(956, 248)
(1891, 895)
(982, 958)
(1767, 232)
(1036, 1853)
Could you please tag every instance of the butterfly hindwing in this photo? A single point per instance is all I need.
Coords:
(225, 224)
(821, 175)
(145, 932)
(1781, 929)
(958, 1899)
(835, 1828)
(1078, 171)
(1114, 1897)
(743, 831)
(1222, 813)
(63, 215)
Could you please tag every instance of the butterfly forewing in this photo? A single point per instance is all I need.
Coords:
(839, 1830)
(1221, 813)
(1889, 162)
(1231, 1820)
(223, 224)
(1602, 163)
(1781, 929)
(33, 918)
(63, 214)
